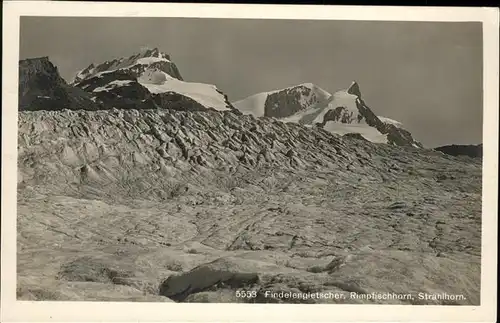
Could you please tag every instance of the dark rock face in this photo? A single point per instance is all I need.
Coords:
(395, 136)
(354, 89)
(341, 114)
(118, 89)
(92, 83)
(42, 88)
(474, 151)
(287, 102)
(400, 137)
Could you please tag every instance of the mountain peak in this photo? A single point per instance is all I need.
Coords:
(152, 52)
(145, 58)
(354, 89)
(341, 113)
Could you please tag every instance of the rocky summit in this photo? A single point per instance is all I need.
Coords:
(133, 186)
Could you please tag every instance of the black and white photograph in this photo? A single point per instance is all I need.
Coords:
(256, 161)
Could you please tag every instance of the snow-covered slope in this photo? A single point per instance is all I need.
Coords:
(253, 104)
(205, 94)
(152, 74)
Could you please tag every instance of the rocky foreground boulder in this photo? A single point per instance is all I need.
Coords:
(193, 206)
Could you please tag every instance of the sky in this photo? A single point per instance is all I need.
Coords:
(427, 75)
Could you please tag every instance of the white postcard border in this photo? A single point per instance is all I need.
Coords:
(17, 311)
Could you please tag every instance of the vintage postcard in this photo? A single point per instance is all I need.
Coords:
(221, 162)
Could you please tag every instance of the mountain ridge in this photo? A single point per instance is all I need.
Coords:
(141, 81)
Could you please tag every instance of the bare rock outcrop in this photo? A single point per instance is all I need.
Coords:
(42, 88)
(289, 101)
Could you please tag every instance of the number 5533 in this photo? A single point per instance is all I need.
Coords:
(246, 293)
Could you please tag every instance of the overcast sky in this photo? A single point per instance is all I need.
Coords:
(426, 75)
